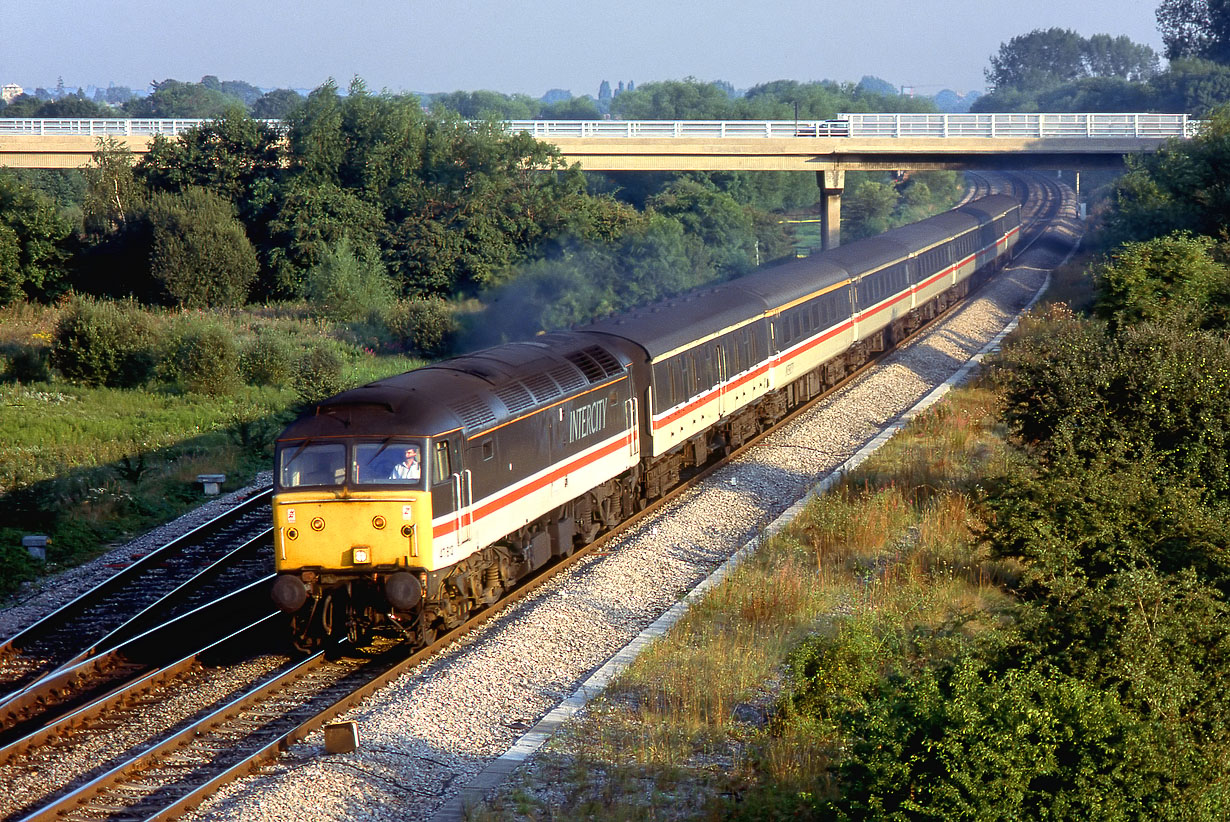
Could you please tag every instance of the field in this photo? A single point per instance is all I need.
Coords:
(92, 466)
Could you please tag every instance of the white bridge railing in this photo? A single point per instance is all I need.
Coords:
(1040, 126)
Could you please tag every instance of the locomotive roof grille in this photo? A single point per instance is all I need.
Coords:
(568, 377)
(474, 413)
(589, 366)
(542, 387)
(515, 396)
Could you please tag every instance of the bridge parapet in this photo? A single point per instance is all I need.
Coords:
(1041, 126)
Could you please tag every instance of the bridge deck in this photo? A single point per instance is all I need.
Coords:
(850, 142)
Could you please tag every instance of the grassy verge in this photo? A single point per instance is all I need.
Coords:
(733, 713)
(94, 466)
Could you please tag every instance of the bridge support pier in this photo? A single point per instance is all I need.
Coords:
(832, 182)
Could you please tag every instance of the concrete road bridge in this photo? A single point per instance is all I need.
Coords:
(849, 142)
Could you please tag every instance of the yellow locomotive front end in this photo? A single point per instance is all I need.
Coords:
(352, 534)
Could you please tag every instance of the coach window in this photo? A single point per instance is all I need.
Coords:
(488, 450)
(442, 465)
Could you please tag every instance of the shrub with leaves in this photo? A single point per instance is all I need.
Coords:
(200, 253)
(349, 284)
(207, 360)
(426, 326)
(1172, 276)
(269, 359)
(26, 365)
(319, 374)
(104, 343)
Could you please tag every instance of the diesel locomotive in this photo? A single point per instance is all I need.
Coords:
(409, 503)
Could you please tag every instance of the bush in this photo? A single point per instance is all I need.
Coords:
(319, 374)
(349, 284)
(104, 343)
(16, 565)
(27, 365)
(206, 361)
(426, 326)
(268, 360)
(1171, 275)
(200, 252)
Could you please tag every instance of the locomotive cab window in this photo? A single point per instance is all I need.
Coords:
(396, 462)
(308, 464)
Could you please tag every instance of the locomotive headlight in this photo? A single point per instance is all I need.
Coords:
(360, 556)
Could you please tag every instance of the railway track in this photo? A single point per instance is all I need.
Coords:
(156, 587)
(175, 769)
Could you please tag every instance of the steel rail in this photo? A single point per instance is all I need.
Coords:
(121, 667)
(62, 620)
(86, 713)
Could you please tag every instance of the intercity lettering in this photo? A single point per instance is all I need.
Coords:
(586, 420)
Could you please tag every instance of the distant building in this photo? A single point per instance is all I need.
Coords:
(11, 91)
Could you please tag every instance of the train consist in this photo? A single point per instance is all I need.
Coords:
(410, 502)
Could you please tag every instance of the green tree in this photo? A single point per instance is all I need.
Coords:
(236, 157)
(1195, 28)
(721, 233)
(172, 98)
(113, 195)
(34, 243)
(199, 253)
(1178, 188)
(1193, 86)
(1119, 57)
(276, 104)
(577, 108)
(867, 209)
(310, 219)
(1039, 59)
(483, 105)
(246, 92)
(687, 99)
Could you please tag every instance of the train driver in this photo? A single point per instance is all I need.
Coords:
(408, 468)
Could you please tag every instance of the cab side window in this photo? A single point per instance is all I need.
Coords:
(441, 463)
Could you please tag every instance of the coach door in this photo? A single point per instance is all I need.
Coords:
(633, 425)
(463, 502)
(446, 460)
(720, 369)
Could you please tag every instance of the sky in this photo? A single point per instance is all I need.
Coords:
(530, 47)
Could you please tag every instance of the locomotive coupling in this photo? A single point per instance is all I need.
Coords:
(403, 590)
(289, 593)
